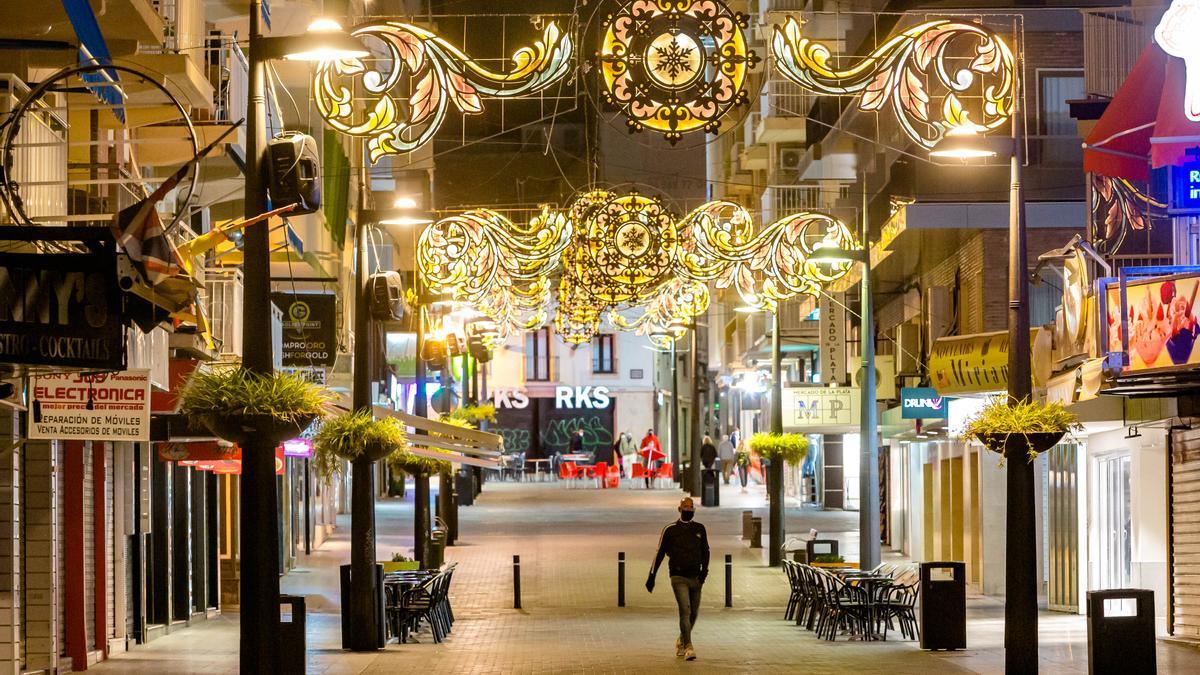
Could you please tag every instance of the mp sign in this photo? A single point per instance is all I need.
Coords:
(922, 403)
(821, 409)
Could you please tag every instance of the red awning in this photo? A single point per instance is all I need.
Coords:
(1145, 124)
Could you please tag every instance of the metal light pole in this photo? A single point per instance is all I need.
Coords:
(694, 413)
(420, 409)
(257, 514)
(364, 608)
(868, 473)
(675, 412)
(1020, 585)
(775, 470)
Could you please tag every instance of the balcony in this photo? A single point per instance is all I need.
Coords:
(1113, 39)
(784, 111)
(223, 290)
(782, 200)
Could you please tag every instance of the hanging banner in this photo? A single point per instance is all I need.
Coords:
(97, 407)
(832, 325)
(973, 363)
(61, 310)
(309, 328)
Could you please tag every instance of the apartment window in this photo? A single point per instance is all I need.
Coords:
(1060, 142)
(604, 357)
(537, 355)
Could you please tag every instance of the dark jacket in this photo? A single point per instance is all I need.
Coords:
(686, 544)
(576, 444)
(708, 455)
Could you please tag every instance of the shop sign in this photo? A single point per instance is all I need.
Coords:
(1158, 328)
(61, 310)
(510, 398)
(1185, 188)
(197, 451)
(832, 325)
(315, 375)
(815, 407)
(922, 403)
(970, 364)
(298, 447)
(97, 407)
(309, 328)
(566, 398)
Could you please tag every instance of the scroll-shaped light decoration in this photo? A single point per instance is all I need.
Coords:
(720, 245)
(675, 66)
(428, 73)
(1177, 33)
(678, 302)
(911, 71)
(500, 267)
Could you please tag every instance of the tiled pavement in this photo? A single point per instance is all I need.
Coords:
(568, 542)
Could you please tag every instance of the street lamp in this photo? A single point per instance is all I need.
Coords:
(259, 574)
(868, 476)
(1021, 574)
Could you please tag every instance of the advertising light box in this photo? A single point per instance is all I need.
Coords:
(1159, 321)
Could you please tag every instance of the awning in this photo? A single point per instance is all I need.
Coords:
(1145, 125)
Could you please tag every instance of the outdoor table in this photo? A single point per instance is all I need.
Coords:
(537, 466)
(871, 585)
(577, 457)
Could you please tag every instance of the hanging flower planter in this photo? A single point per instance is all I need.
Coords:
(355, 436)
(239, 405)
(1024, 429)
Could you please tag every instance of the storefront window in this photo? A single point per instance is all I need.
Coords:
(1115, 565)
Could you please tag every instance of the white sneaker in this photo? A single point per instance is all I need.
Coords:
(678, 648)
(689, 654)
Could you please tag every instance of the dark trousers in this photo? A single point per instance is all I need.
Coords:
(687, 598)
(742, 470)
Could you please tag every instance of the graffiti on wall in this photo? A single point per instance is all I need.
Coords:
(596, 435)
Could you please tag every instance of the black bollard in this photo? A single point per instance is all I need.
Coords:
(516, 582)
(621, 579)
(728, 580)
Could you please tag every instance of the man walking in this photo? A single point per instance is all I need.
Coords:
(685, 542)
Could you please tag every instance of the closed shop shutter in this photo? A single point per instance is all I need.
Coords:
(1185, 532)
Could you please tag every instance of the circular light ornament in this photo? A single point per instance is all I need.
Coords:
(675, 66)
(626, 250)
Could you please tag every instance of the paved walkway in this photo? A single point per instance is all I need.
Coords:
(568, 542)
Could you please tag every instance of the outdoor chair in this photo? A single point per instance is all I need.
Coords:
(568, 472)
(666, 472)
(598, 473)
(901, 606)
(797, 592)
(637, 471)
(847, 609)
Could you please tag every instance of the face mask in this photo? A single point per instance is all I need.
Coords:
(686, 515)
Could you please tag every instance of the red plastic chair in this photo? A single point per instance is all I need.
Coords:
(598, 472)
(666, 471)
(567, 471)
(638, 471)
(613, 480)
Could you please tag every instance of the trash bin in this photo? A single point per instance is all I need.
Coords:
(464, 487)
(746, 516)
(292, 621)
(710, 480)
(816, 547)
(1121, 632)
(437, 548)
(756, 532)
(347, 587)
(943, 612)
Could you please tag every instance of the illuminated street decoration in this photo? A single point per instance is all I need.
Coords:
(1176, 34)
(624, 258)
(675, 66)
(1120, 206)
(912, 72)
(428, 73)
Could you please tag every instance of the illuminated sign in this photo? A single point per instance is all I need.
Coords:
(298, 447)
(1159, 325)
(1176, 34)
(1185, 187)
(922, 403)
(581, 397)
(95, 407)
(811, 408)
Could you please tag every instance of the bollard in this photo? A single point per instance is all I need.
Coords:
(728, 580)
(621, 579)
(746, 518)
(516, 582)
(756, 532)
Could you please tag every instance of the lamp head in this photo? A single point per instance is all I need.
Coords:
(964, 143)
(324, 41)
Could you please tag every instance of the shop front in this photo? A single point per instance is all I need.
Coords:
(541, 426)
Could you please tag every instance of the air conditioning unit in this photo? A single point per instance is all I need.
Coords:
(908, 348)
(885, 377)
(788, 159)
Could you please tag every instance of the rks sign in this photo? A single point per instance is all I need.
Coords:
(922, 403)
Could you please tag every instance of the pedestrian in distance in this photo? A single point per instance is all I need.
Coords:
(616, 458)
(628, 450)
(576, 445)
(651, 449)
(685, 544)
(708, 453)
(743, 463)
(725, 456)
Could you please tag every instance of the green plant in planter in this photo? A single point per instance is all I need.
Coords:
(1038, 426)
(354, 435)
(828, 559)
(415, 465)
(473, 414)
(236, 404)
(791, 448)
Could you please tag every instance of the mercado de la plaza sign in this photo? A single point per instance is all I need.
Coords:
(671, 67)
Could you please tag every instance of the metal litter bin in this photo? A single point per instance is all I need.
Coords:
(1121, 632)
(710, 481)
(464, 487)
(437, 548)
(943, 611)
(292, 645)
(816, 547)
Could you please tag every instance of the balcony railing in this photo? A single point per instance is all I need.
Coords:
(784, 98)
(40, 154)
(1112, 41)
(781, 200)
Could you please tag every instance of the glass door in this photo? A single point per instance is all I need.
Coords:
(1114, 568)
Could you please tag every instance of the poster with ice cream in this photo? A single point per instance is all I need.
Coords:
(1161, 317)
